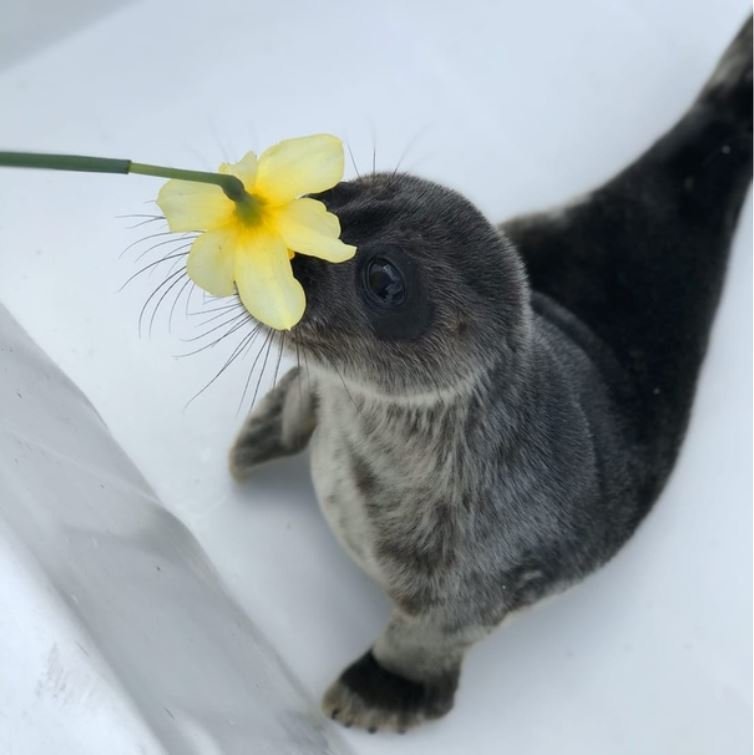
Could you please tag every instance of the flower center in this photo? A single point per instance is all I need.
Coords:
(249, 210)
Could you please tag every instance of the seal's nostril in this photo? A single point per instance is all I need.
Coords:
(310, 272)
(302, 270)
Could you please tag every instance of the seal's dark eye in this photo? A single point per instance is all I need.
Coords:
(394, 300)
(385, 282)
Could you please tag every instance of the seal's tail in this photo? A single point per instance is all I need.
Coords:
(642, 260)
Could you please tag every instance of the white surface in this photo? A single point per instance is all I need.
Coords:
(33, 24)
(518, 106)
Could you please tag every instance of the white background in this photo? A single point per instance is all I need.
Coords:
(517, 105)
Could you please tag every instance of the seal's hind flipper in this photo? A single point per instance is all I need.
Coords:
(641, 260)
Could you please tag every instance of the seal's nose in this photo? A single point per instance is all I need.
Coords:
(307, 271)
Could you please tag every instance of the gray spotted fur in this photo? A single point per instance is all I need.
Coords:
(514, 446)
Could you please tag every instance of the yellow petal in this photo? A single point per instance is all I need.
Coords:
(245, 169)
(299, 166)
(192, 206)
(307, 227)
(266, 284)
(210, 262)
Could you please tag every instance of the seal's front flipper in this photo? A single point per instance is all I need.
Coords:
(410, 676)
(281, 425)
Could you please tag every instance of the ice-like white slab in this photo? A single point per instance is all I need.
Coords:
(117, 634)
(518, 106)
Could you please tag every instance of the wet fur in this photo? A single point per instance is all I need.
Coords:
(514, 444)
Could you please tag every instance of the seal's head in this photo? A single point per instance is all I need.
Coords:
(433, 294)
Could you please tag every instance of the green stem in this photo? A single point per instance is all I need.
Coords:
(232, 186)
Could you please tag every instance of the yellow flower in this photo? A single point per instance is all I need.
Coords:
(247, 245)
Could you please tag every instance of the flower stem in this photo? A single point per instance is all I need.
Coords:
(232, 186)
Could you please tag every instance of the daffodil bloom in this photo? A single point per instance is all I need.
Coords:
(246, 245)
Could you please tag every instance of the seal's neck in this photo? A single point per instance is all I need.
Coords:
(437, 417)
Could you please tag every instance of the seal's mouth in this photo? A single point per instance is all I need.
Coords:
(316, 340)
(296, 337)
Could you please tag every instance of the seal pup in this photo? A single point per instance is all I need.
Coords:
(492, 411)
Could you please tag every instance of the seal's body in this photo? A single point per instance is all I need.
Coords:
(492, 412)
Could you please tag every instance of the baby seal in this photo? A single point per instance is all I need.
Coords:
(492, 411)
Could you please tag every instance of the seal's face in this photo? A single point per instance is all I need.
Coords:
(433, 292)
